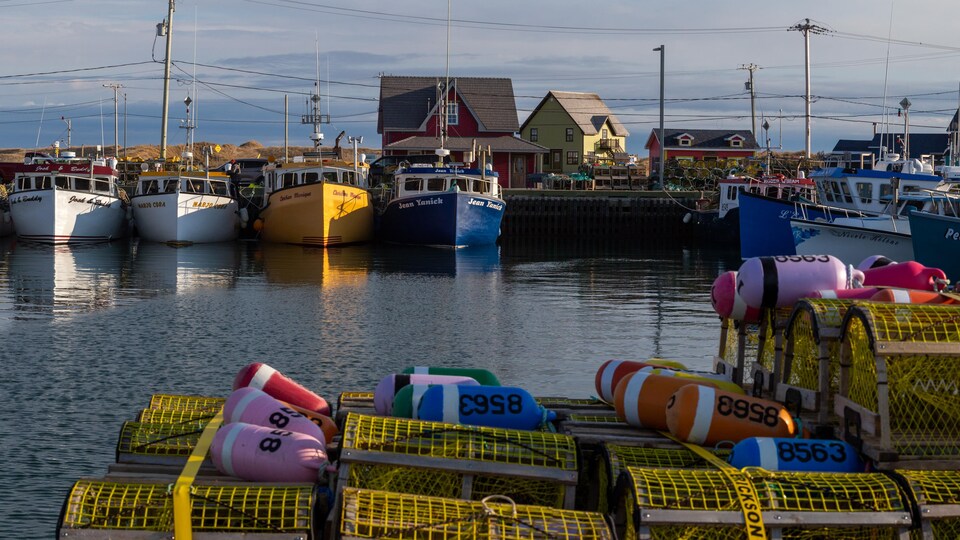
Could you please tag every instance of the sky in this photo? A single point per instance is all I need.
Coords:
(238, 59)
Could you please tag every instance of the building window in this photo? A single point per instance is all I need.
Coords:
(686, 141)
(569, 134)
(603, 134)
(555, 157)
(453, 114)
(573, 157)
(736, 143)
(534, 134)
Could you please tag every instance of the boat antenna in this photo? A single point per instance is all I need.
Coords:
(886, 126)
(43, 109)
(442, 152)
(166, 28)
(315, 117)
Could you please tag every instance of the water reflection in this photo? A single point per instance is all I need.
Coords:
(441, 261)
(301, 265)
(47, 281)
(158, 267)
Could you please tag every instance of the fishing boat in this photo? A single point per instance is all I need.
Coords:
(186, 207)
(447, 205)
(722, 223)
(68, 200)
(936, 241)
(867, 189)
(316, 201)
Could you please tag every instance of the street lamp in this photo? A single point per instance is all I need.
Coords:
(662, 137)
(905, 103)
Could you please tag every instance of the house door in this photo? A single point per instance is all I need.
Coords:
(519, 176)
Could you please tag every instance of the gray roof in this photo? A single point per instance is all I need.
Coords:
(586, 110)
(706, 138)
(459, 144)
(920, 143)
(406, 102)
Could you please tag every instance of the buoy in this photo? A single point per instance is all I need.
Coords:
(703, 415)
(912, 296)
(492, 406)
(244, 216)
(271, 381)
(641, 398)
(262, 454)
(482, 376)
(612, 371)
(857, 293)
(388, 387)
(727, 303)
(767, 282)
(800, 455)
(407, 400)
(324, 422)
(252, 406)
(258, 224)
(906, 275)
(874, 261)
(720, 381)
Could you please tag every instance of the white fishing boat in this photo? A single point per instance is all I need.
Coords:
(68, 200)
(870, 187)
(186, 207)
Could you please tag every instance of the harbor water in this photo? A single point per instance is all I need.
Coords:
(91, 332)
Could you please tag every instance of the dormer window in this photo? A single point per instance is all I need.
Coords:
(735, 141)
(685, 141)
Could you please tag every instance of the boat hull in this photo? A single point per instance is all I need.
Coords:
(765, 224)
(320, 214)
(850, 244)
(62, 216)
(936, 242)
(451, 219)
(186, 218)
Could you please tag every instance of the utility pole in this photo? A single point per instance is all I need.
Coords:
(807, 28)
(166, 29)
(662, 137)
(116, 118)
(753, 109)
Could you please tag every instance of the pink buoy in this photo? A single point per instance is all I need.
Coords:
(271, 381)
(612, 371)
(727, 303)
(251, 406)
(261, 454)
(768, 282)
(874, 261)
(388, 387)
(858, 293)
(906, 275)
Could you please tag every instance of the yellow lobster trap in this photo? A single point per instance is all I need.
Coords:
(811, 359)
(167, 431)
(456, 461)
(755, 503)
(380, 514)
(134, 509)
(936, 499)
(749, 353)
(899, 394)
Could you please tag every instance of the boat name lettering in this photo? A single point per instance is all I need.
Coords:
(154, 204)
(403, 205)
(475, 202)
(345, 194)
(95, 202)
(31, 198)
(952, 234)
(878, 238)
(789, 214)
(428, 202)
(299, 195)
(202, 204)
(495, 206)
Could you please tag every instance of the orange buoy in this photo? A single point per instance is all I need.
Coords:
(324, 422)
(612, 371)
(718, 380)
(700, 414)
(641, 398)
(271, 381)
(911, 296)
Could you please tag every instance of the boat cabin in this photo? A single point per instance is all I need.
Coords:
(777, 186)
(214, 185)
(419, 181)
(71, 177)
(281, 177)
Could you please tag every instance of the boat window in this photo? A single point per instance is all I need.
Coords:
(101, 185)
(436, 184)
(62, 182)
(289, 179)
(413, 184)
(149, 186)
(23, 183)
(462, 184)
(886, 191)
(218, 188)
(479, 186)
(44, 182)
(311, 177)
(827, 193)
(81, 184)
(865, 191)
(349, 178)
(846, 193)
(170, 186)
(330, 176)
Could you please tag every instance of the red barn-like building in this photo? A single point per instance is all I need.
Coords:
(701, 145)
(481, 109)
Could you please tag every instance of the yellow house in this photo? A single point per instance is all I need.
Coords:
(578, 128)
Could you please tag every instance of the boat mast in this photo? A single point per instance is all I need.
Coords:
(166, 28)
(315, 117)
(442, 152)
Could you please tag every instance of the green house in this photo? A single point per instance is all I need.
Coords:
(578, 128)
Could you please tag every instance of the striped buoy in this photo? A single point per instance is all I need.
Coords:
(703, 415)
(641, 398)
(612, 372)
(271, 381)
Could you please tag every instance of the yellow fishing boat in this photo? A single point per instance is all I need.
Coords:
(320, 203)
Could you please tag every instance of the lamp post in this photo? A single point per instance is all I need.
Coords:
(662, 137)
(905, 103)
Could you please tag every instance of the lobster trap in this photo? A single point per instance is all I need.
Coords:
(749, 354)
(380, 514)
(754, 503)
(135, 509)
(936, 499)
(899, 388)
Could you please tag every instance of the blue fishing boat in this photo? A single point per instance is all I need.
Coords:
(868, 188)
(936, 241)
(441, 205)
